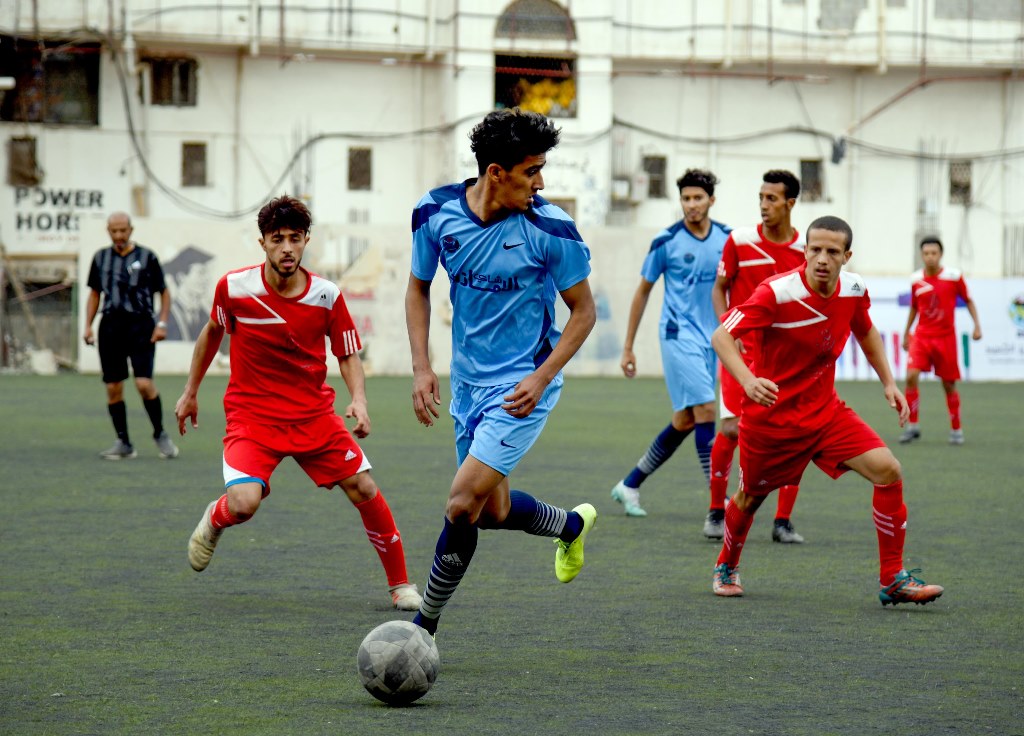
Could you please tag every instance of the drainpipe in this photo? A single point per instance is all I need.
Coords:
(254, 28)
(883, 64)
(431, 30)
(727, 53)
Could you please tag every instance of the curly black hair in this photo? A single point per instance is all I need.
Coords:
(698, 178)
(507, 137)
(786, 178)
(282, 212)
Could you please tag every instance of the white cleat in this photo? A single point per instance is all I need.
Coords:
(203, 541)
(956, 436)
(406, 597)
(629, 498)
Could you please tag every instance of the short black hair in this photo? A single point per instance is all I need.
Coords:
(928, 239)
(833, 224)
(786, 178)
(698, 178)
(506, 137)
(282, 212)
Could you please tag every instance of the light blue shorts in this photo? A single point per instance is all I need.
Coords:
(689, 373)
(490, 434)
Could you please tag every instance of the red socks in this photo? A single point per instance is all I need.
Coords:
(221, 518)
(787, 499)
(721, 464)
(914, 401)
(953, 403)
(737, 524)
(890, 517)
(383, 534)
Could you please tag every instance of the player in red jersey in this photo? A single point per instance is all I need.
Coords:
(933, 297)
(792, 414)
(750, 256)
(278, 403)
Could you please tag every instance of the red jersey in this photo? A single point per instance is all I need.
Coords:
(934, 298)
(278, 346)
(748, 258)
(802, 335)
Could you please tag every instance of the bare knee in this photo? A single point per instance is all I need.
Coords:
(730, 428)
(889, 472)
(359, 488)
(243, 505)
(682, 421)
(747, 503)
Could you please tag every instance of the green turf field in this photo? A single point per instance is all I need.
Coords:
(104, 628)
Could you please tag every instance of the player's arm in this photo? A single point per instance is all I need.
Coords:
(636, 313)
(160, 329)
(582, 318)
(974, 315)
(762, 390)
(207, 344)
(426, 393)
(352, 373)
(907, 334)
(874, 350)
(720, 295)
(92, 305)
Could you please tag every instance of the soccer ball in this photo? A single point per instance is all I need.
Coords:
(398, 662)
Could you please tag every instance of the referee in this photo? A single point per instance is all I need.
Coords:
(128, 275)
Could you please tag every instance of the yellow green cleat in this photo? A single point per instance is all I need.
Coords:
(569, 556)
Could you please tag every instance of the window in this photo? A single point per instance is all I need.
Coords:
(193, 165)
(54, 83)
(812, 188)
(537, 83)
(360, 169)
(959, 182)
(22, 166)
(174, 82)
(535, 19)
(655, 168)
(567, 205)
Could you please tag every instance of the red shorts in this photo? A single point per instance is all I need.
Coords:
(322, 447)
(768, 462)
(938, 352)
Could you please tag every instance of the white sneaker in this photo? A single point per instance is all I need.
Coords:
(629, 498)
(406, 597)
(120, 450)
(956, 436)
(165, 447)
(203, 541)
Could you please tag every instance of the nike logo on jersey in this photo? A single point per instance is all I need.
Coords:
(506, 246)
(505, 444)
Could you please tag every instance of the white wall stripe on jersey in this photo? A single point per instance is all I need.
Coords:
(275, 320)
(732, 320)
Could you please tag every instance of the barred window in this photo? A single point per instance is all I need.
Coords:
(193, 165)
(960, 182)
(360, 169)
(812, 186)
(655, 168)
(174, 82)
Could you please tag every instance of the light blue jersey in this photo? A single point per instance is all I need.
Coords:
(689, 266)
(505, 276)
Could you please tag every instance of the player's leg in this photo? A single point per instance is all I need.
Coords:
(678, 366)
(473, 484)
(948, 370)
(766, 463)
(251, 453)
(499, 442)
(782, 528)
(917, 361)
(142, 357)
(722, 452)
(956, 432)
(381, 530)
(865, 453)
(114, 367)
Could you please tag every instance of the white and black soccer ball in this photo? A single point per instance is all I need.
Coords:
(398, 662)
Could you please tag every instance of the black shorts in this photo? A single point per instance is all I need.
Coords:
(123, 338)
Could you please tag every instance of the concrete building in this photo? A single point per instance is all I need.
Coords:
(903, 116)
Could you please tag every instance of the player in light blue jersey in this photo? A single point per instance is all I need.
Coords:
(508, 253)
(686, 254)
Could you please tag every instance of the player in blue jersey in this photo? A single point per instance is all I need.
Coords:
(507, 253)
(686, 254)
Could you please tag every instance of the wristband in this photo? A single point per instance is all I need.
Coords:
(162, 325)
